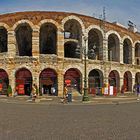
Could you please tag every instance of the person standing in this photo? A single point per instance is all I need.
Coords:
(138, 90)
(52, 90)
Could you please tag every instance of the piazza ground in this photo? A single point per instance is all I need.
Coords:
(69, 122)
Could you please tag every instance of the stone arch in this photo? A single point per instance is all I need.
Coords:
(113, 46)
(48, 38)
(95, 42)
(18, 23)
(45, 21)
(94, 27)
(95, 81)
(137, 41)
(127, 50)
(73, 80)
(113, 32)
(48, 80)
(74, 67)
(127, 37)
(4, 25)
(24, 39)
(114, 80)
(76, 18)
(3, 39)
(127, 81)
(73, 32)
(137, 53)
(23, 81)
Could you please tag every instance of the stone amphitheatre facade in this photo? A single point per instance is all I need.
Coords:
(40, 47)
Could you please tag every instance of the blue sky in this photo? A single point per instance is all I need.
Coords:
(116, 10)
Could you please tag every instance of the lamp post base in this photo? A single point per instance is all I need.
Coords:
(85, 98)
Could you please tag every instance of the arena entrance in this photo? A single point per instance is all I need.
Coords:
(4, 82)
(72, 79)
(95, 82)
(23, 82)
(114, 79)
(48, 81)
(127, 82)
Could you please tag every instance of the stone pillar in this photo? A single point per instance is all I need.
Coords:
(121, 52)
(11, 43)
(60, 44)
(12, 82)
(60, 83)
(121, 82)
(133, 55)
(35, 73)
(105, 49)
(133, 82)
(35, 42)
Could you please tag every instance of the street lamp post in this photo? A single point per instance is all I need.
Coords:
(85, 52)
(85, 96)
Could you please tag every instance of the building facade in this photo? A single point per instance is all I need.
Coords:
(40, 47)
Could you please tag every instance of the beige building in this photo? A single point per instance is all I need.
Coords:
(40, 47)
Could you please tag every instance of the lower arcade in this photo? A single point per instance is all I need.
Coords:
(72, 78)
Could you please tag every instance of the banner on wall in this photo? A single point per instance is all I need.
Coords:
(20, 89)
(106, 91)
(0, 87)
(68, 82)
(111, 90)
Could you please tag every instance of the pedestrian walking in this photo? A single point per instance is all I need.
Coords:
(15, 93)
(138, 90)
(52, 90)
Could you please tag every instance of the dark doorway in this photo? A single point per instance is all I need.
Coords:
(47, 80)
(28, 89)
(24, 40)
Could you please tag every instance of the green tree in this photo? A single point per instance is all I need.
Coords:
(9, 91)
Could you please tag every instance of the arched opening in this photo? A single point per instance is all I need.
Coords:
(73, 38)
(137, 78)
(48, 39)
(73, 80)
(24, 40)
(137, 54)
(113, 48)
(127, 52)
(70, 50)
(127, 86)
(114, 81)
(4, 82)
(47, 81)
(23, 81)
(3, 40)
(95, 82)
(95, 39)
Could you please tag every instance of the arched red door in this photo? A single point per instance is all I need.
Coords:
(114, 81)
(127, 82)
(95, 82)
(72, 78)
(23, 81)
(4, 81)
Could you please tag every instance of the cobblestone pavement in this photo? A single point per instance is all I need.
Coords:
(75, 100)
(69, 122)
